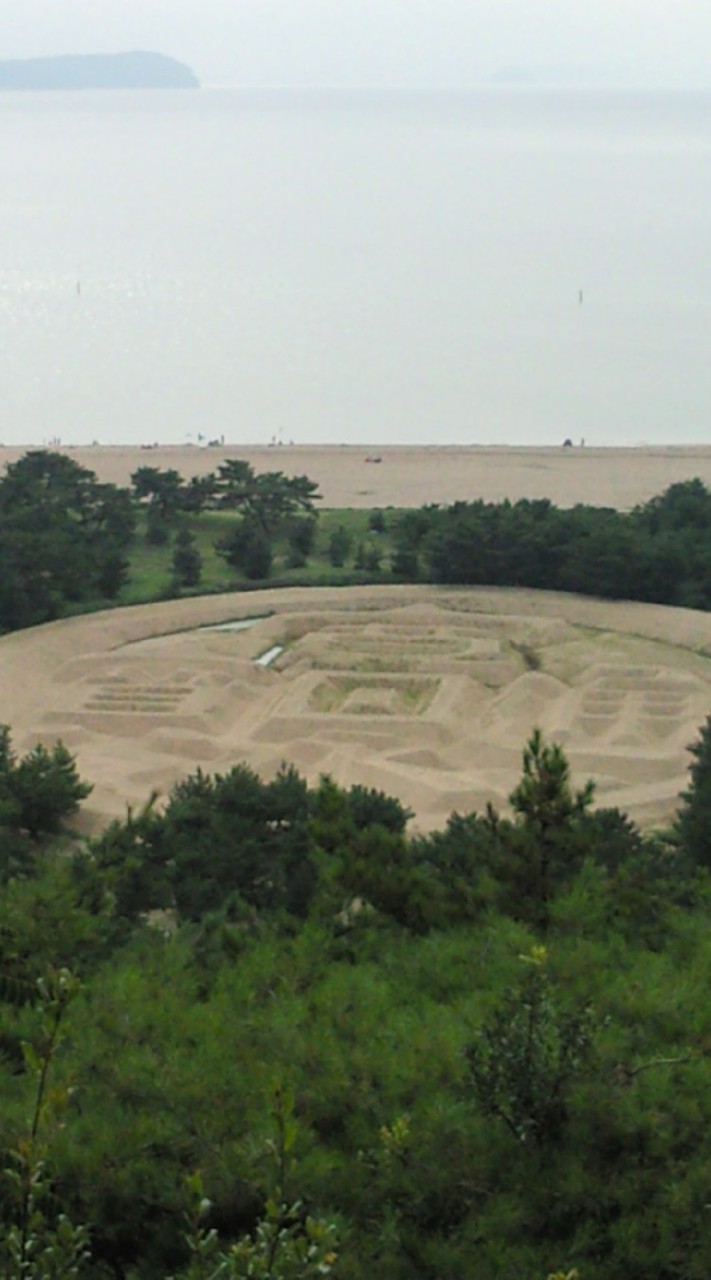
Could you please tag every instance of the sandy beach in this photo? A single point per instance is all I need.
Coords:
(350, 476)
(426, 693)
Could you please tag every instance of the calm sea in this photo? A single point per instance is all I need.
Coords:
(496, 267)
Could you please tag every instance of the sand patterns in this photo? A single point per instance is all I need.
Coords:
(426, 694)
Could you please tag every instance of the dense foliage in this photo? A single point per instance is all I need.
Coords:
(660, 551)
(299, 1040)
(63, 538)
(38, 792)
(68, 542)
(266, 505)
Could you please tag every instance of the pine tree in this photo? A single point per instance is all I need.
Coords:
(549, 813)
(187, 561)
(340, 544)
(693, 825)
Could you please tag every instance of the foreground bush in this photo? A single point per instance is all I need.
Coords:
(490, 1044)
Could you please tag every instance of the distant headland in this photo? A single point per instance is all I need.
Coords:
(98, 71)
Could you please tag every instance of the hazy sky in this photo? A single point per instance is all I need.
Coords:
(381, 42)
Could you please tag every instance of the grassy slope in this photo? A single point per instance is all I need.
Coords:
(151, 573)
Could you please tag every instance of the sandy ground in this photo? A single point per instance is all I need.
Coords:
(348, 476)
(426, 693)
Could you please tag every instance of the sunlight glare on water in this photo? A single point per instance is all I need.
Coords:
(500, 267)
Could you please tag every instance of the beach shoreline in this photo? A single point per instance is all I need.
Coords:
(360, 476)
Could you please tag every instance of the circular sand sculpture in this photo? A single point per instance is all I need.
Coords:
(428, 694)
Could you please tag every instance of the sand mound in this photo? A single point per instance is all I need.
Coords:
(528, 698)
(426, 693)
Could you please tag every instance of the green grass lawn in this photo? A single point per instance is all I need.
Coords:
(151, 574)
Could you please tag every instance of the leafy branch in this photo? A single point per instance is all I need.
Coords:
(34, 1249)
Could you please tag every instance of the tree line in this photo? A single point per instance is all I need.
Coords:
(266, 503)
(267, 1030)
(64, 538)
(658, 552)
(68, 541)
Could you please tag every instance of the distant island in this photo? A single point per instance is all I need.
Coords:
(98, 71)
